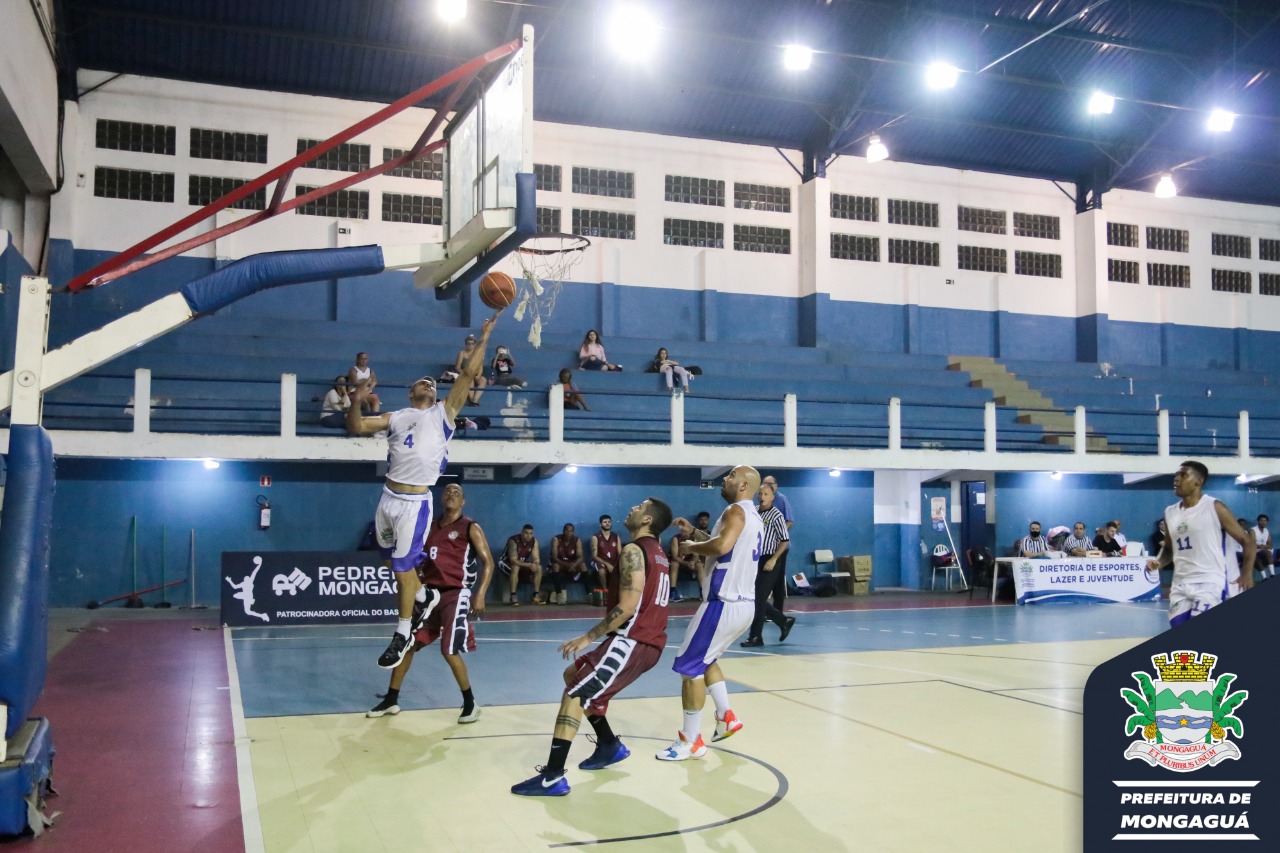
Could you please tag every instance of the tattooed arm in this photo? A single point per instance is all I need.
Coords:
(630, 588)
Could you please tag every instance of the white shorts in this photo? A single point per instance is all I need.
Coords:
(714, 628)
(403, 523)
(1189, 599)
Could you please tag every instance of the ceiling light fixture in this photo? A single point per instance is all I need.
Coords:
(941, 75)
(451, 10)
(571, 469)
(1165, 187)
(1100, 103)
(210, 464)
(633, 33)
(1220, 121)
(876, 150)
(834, 472)
(796, 57)
(1056, 475)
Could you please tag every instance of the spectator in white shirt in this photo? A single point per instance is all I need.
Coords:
(1077, 544)
(1033, 545)
(1266, 557)
(333, 411)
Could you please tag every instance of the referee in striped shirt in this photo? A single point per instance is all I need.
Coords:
(1077, 544)
(771, 577)
(1034, 545)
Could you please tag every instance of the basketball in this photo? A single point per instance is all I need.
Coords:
(497, 290)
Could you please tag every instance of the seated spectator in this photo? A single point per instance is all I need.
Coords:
(501, 370)
(573, 398)
(568, 565)
(520, 559)
(669, 367)
(477, 385)
(1107, 543)
(606, 548)
(1156, 542)
(1077, 544)
(1033, 545)
(333, 411)
(1265, 561)
(1120, 537)
(361, 372)
(591, 355)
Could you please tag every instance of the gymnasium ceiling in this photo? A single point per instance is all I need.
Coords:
(1028, 68)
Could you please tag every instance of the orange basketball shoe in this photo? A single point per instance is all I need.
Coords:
(726, 728)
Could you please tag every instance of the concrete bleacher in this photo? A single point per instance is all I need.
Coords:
(222, 375)
(1123, 402)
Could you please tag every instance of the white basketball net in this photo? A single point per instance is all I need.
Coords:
(545, 261)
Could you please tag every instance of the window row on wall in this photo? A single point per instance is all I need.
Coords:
(925, 214)
(678, 188)
(1179, 240)
(234, 146)
(1179, 275)
(859, 247)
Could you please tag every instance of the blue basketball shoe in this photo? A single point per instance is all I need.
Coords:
(605, 754)
(542, 786)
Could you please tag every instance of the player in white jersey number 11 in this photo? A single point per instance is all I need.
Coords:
(1204, 573)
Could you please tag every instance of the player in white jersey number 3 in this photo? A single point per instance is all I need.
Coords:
(417, 454)
(1203, 572)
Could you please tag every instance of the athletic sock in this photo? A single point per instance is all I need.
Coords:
(468, 701)
(692, 725)
(604, 732)
(559, 755)
(720, 695)
(402, 627)
(393, 695)
(421, 595)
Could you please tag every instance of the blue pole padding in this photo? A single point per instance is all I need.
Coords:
(276, 269)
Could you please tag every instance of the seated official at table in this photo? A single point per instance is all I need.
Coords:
(1077, 544)
(1033, 545)
(1107, 543)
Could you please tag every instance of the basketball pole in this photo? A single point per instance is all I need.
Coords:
(163, 603)
(192, 575)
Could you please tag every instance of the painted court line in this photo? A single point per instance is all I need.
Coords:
(249, 816)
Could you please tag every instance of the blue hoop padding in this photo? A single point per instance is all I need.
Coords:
(275, 269)
(24, 571)
(526, 227)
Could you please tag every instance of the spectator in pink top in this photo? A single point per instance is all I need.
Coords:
(591, 355)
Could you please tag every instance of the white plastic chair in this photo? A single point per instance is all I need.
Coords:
(828, 558)
(947, 567)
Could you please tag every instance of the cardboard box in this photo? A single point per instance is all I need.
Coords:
(862, 567)
(862, 587)
(845, 564)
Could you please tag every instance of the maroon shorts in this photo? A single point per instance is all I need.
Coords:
(608, 668)
(450, 622)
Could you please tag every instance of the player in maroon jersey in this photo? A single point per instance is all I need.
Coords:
(606, 550)
(635, 632)
(452, 543)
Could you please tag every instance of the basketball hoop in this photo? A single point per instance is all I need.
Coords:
(545, 260)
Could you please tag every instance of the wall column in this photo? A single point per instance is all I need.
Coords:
(896, 561)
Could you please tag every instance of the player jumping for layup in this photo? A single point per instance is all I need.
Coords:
(453, 541)
(417, 445)
(636, 626)
(1202, 574)
(728, 606)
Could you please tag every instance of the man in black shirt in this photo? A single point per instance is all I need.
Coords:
(1106, 542)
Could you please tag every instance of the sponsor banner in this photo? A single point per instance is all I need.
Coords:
(1177, 736)
(1085, 579)
(306, 588)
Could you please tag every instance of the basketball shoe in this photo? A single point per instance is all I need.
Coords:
(422, 609)
(386, 708)
(682, 750)
(726, 728)
(605, 754)
(395, 652)
(542, 785)
(469, 716)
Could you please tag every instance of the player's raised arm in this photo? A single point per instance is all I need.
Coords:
(471, 368)
(358, 424)
(1247, 545)
(732, 522)
(481, 546)
(630, 590)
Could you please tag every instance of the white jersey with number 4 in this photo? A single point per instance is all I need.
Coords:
(1199, 544)
(733, 575)
(417, 445)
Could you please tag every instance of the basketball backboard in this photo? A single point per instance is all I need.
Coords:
(487, 144)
